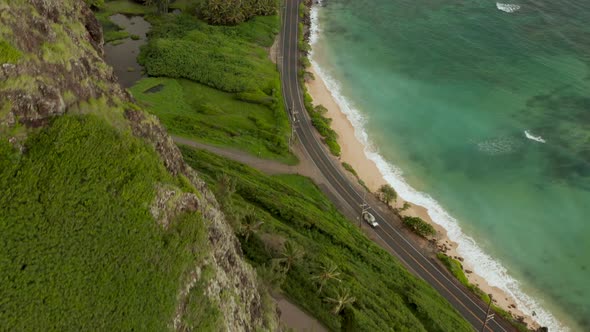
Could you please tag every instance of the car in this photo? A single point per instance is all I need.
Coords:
(370, 219)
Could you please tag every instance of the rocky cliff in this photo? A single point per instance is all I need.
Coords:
(51, 65)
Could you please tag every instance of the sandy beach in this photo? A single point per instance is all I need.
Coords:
(353, 152)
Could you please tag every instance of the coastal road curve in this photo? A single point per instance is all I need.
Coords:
(471, 307)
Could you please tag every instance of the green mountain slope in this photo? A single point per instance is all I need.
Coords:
(104, 227)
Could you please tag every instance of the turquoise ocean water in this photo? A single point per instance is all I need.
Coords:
(480, 112)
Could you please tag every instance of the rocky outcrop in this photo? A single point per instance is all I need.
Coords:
(63, 69)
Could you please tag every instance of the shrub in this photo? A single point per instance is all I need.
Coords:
(419, 226)
(349, 168)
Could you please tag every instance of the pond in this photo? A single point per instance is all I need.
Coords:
(122, 54)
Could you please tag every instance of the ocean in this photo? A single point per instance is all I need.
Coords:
(479, 111)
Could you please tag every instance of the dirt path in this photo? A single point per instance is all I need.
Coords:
(297, 319)
(264, 165)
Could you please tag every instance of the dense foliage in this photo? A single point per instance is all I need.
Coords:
(246, 110)
(293, 210)
(419, 226)
(231, 12)
(322, 124)
(80, 249)
(181, 46)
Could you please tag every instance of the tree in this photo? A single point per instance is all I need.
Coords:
(326, 273)
(291, 255)
(342, 299)
(250, 225)
(387, 193)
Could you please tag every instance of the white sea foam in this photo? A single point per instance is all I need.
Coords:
(507, 7)
(533, 137)
(483, 264)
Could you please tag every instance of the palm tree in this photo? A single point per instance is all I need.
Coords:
(327, 272)
(341, 300)
(291, 254)
(250, 226)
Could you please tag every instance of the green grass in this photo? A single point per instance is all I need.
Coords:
(8, 53)
(293, 208)
(195, 111)
(80, 249)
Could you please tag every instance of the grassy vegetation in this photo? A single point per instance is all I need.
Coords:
(8, 54)
(317, 114)
(419, 226)
(293, 210)
(195, 111)
(239, 101)
(456, 269)
(80, 249)
(454, 266)
(322, 123)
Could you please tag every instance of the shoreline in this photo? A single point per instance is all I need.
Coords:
(353, 153)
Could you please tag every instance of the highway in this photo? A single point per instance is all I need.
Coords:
(472, 309)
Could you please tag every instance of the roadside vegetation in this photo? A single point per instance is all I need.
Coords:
(456, 268)
(80, 249)
(317, 113)
(302, 246)
(419, 226)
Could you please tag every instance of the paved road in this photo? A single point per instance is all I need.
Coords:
(467, 304)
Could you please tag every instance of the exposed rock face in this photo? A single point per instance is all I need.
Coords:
(63, 67)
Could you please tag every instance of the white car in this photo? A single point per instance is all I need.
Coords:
(370, 219)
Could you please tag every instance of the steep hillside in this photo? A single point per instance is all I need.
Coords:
(104, 227)
(290, 230)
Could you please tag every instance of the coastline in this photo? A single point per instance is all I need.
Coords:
(353, 153)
